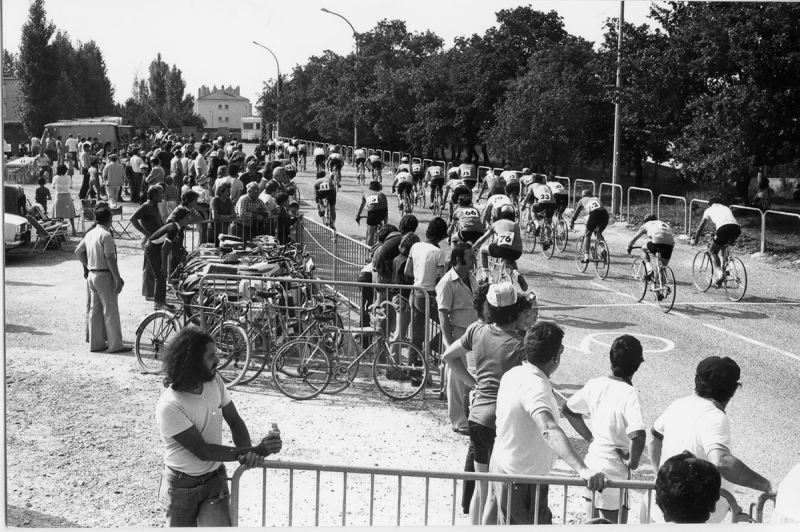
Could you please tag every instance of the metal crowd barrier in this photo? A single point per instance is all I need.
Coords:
(682, 218)
(575, 189)
(611, 204)
(764, 225)
(305, 494)
(628, 211)
(482, 176)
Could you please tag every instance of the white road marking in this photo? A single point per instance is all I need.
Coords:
(669, 345)
(754, 342)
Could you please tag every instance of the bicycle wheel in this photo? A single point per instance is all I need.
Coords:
(409, 205)
(437, 204)
(345, 361)
(735, 279)
(665, 296)
(399, 370)
(548, 246)
(529, 238)
(579, 255)
(233, 351)
(702, 271)
(602, 259)
(638, 284)
(152, 336)
(260, 352)
(562, 235)
(301, 369)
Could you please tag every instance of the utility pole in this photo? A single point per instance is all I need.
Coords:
(617, 111)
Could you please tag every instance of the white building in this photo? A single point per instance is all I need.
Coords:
(251, 128)
(223, 107)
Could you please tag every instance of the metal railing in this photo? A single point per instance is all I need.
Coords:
(575, 189)
(679, 199)
(764, 225)
(628, 211)
(613, 188)
(425, 500)
(482, 176)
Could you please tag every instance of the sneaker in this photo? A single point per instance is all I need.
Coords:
(649, 277)
(586, 260)
(536, 232)
(546, 246)
(164, 306)
(660, 296)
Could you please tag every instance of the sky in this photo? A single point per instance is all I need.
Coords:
(211, 41)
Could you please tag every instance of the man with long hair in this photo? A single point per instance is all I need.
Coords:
(189, 416)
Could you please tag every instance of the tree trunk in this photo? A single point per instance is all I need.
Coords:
(485, 154)
(639, 167)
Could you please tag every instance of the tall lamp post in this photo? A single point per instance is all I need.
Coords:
(277, 89)
(355, 36)
(617, 112)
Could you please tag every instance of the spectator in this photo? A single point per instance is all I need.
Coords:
(528, 434)
(94, 179)
(158, 249)
(497, 347)
(285, 220)
(43, 163)
(426, 265)
(252, 211)
(98, 254)
(217, 161)
(42, 194)
(136, 161)
(157, 174)
(113, 179)
(221, 212)
(72, 146)
(36, 146)
(60, 150)
(763, 198)
(176, 165)
(251, 175)
(698, 424)
(454, 296)
(189, 416)
(222, 177)
(63, 206)
(617, 437)
(403, 299)
(187, 184)
(200, 165)
(268, 197)
(84, 163)
(237, 188)
(147, 220)
(687, 489)
(170, 199)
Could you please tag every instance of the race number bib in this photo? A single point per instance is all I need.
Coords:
(324, 186)
(593, 205)
(466, 172)
(417, 168)
(457, 184)
(436, 172)
(527, 180)
(467, 213)
(506, 239)
(556, 186)
(543, 195)
(372, 200)
(292, 149)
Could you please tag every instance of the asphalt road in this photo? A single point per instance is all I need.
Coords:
(760, 332)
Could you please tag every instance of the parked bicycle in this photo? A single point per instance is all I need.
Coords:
(661, 282)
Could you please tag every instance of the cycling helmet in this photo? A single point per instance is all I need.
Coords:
(586, 193)
(526, 171)
(464, 200)
(320, 173)
(507, 212)
(404, 160)
(453, 171)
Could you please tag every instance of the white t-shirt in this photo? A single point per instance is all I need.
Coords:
(519, 448)
(179, 411)
(696, 425)
(318, 151)
(720, 215)
(659, 232)
(425, 259)
(72, 144)
(62, 184)
(556, 187)
(614, 414)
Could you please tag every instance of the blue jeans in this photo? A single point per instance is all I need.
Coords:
(195, 501)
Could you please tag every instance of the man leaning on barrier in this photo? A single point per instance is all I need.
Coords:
(528, 434)
(189, 416)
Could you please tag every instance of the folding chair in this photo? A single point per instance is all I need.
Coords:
(45, 234)
(119, 226)
(86, 213)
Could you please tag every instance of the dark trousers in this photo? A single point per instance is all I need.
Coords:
(136, 186)
(195, 500)
(152, 254)
(418, 323)
(85, 186)
(148, 277)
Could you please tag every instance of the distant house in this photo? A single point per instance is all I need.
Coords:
(222, 108)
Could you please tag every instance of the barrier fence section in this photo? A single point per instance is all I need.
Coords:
(575, 189)
(628, 210)
(612, 203)
(746, 226)
(482, 175)
(388, 497)
(671, 216)
(795, 231)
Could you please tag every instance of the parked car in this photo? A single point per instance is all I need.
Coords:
(16, 229)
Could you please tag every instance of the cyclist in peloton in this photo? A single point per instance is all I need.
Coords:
(377, 210)
(271, 147)
(512, 182)
(418, 173)
(434, 175)
(455, 188)
(403, 166)
(360, 155)
(302, 152)
(525, 181)
(660, 240)
(376, 164)
(493, 205)
(325, 189)
(468, 173)
(319, 158)
(507, 245)
(598, 219)
(540, 204)
(402, 182)
(490, 182)
(335, 164)
(560, 194)
(291, 154)
(466, 222)
(727, 232)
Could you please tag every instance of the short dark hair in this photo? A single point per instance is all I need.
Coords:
(281, 198)
(626, 356)
(233, 169)
(272, 186)
(713, 200)
(437, 230)
(718, 393)
(189, 196)
(458, 252)
(687, 489)
(479, 300)
(408, 240)
(222, 188)
(650, 218)
(102, 214)
(408, 224)
(543, 342)
(41, 181)
(375, 185)
(152, 190)
(61, 169)
(183, 359)
(385, 231)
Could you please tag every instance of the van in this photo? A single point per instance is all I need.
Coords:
(106, 129)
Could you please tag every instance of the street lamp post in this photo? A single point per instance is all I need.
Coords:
(277, 90)
(355, 36)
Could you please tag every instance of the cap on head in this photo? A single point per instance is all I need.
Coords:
(585, 193)
(719, 372)
(251, 185)
(502, 295)
(526, 171)
(404, 160)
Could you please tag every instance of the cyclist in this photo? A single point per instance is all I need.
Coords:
(377, 210)
(466, 221)
(455, 188)
(376, 164)
(512, 183)
(418, 173)
(301, 154)
(598, 219)
(525, 181)
(727, 232)
(540, 204)
(493, 205)
(507, 245)
(335, 164)
(271, 147)
(325, 189)
(490, 182)
(560, 194)
(285, 149)
(319, 158)
(435, 178)
(291, 154)
(468, 174)
(403, 166)
(403, 182)
(360, 155)
(660, 240)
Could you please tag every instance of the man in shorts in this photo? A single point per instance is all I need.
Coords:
(335, 165)
(325, 189)
(360, 155)
(490, 182)
(507, 244)
(302, 152)
(525, 181)
(466, 221)
(291, 154)
(539, 201)
(494, 203)
(659, 240)
(468, 173)
(376, 164)
(435, 178)
(418, 173)
(455, 188)
(511, 179)
(728, 231)
(617, 435)
(560, 194)
(377, 209)
(403, 182)
(271, 147)
(598, 219)
(319, 158)
(403, 166)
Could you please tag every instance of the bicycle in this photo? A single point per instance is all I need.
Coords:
(734, 274)
(598, 254)
(756, 512)
(662, 284)
(306, 367)
(498, 271)
(545, 237)
(437, 203)
(361, 177)
(303, 161)
(372, 230)
(419, 194)
(325, 213)
(407, 202)
(561, 230)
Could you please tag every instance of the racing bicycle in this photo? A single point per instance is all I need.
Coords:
(598, 254)
(662, 284)
(407, 202)
(545, 237)
(419, 194)
(361, 177)
(734, 274)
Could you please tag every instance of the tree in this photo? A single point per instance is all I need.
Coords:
(38, 100)
(9, 64)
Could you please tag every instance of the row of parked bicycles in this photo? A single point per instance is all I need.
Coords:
(282, 324)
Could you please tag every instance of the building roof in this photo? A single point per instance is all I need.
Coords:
(222, 95)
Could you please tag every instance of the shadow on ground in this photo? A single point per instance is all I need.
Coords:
(23, 517)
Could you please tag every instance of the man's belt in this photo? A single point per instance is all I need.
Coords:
(106, 270)
(200, 478)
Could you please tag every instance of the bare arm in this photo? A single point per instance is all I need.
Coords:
(736, 471)
(361, 208)
(577, 422)
(454, 356)
(489, 232)
(635, 450)
(447, 328)
(656, 443)
(636, 237)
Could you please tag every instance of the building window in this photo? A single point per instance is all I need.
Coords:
(258, 125)
(219, 106)
(247, 125)
(226, 106)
